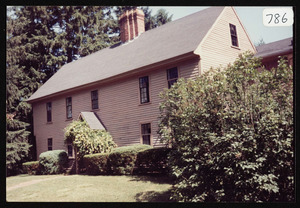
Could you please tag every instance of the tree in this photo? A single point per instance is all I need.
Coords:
(231, 132)
(260, 42)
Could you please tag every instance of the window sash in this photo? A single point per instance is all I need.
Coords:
(94, 98)
(172, 76)
(49, 111)
(69, 107)
(70, 150)
(50, 144)
(146, 133)
(233, 33)
(144, 89)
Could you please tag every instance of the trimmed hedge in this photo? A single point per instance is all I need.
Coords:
(31, 168)
(96, 164)
(53, 162)
(128, 160)
(152, 160)
(121, 160)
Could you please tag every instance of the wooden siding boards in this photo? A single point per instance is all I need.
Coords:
(216, 50)
(119, 108)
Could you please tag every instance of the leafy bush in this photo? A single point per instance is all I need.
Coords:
(121, 160)
(53, 162)
(96, 164)
(86, 140)
(152, 160)
(31, 168)
(232, 133)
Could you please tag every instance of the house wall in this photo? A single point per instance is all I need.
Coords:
(272, 61)
(119, 108)
(216, 48)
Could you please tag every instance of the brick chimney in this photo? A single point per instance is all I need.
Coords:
(132, 24)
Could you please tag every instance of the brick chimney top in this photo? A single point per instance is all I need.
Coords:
(132, 24)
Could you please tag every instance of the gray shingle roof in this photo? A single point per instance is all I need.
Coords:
(162, 43)
(275, 48)
(92, 120)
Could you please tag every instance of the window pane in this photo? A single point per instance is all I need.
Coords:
(172, 73)
(50, 144)
(144, 89)
(70, 150)
(234, 39)
(69, 107)
(94, 97)
(146, 139)
(49, 112)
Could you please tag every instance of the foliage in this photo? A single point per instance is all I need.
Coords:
(32, 167)
(121, 161)
(152, 160)
(17, 147)
(53, 162)
(96, 164)
(86, 140)
(232, 133)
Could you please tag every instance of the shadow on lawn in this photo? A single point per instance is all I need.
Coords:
(154, 178)
(152, 196)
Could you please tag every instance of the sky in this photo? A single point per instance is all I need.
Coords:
(251, 18)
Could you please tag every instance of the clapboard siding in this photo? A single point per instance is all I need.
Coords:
(216, 48)
(119, 108)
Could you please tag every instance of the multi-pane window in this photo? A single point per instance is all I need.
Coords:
(144, 89)
(49, 111)
(94, 97)
(172, 76)
(69, 107)
(146, 133)
(234, 38)
(50, 144)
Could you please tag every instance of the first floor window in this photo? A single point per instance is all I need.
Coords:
(50, 144)
(146, 133)
(94, 97)
(172, 76)
(70, 150)
(144, 89)
(49, 111)
(69, 107)
(233, 33)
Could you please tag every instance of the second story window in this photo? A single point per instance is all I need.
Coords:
(172, 76)
(50, 144)
(234, 38)
(49, 111)
(144, 89)
(94, 97)
(69, 107)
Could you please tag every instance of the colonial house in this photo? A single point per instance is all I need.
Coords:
(271, 51)
(118, 88)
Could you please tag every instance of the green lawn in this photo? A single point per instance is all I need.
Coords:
(83, 188)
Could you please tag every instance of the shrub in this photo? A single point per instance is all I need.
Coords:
(152, 160)
(86, 140)
(53, 162)
(121, 160)
(232, 133)
(96, 164)
(31, 168)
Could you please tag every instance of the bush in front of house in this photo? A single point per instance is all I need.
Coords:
(87, 141)
(152, 160)
(121, 161)
(31, 168)
(53, 162)
(231, 133)
(96, 164)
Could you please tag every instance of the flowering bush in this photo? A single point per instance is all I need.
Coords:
(87, 141)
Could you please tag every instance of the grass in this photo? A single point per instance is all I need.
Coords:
(83, 188)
